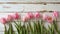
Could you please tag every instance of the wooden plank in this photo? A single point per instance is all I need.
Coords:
(23, 8)
(30, 3)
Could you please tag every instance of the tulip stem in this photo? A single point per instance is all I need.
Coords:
(6, 32)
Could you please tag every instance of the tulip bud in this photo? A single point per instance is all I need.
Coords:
(55, 14)
(30, 15)
(16, 16)
(49, 19)
(37, 15)
(9, 18)
(44, 17)
(3, 20)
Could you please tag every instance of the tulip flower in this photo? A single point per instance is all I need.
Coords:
(44, 17)
(3, 20)
(49, 19)
(16, 16)
(37, 15)
(24, 19)
(55, 14)
(27, 17)
(9, 18)
(30, 15)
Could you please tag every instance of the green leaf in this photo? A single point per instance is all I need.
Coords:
(51, 29)
(24, 29)
(30, 27)
(10, 30)
(39, 26)
(35, 29)
(18, 26)
(55, 25)
(17, 29)
(5, 32)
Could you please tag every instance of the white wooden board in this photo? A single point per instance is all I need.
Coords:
(28, 7)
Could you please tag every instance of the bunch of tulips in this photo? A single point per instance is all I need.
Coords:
(32, 23)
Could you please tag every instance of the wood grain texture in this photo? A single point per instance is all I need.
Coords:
(23, 8)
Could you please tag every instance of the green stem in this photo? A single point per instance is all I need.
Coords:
(5, 29)
(41, 26)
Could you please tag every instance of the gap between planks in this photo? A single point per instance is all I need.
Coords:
(30, 3)
(26, 11)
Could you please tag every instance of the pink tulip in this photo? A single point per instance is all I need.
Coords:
(55, 14)
(3, 20)
(44, 17)
(16, 16)
(9, 18)
(49, 19)
(24, 19)
(37, 15)
(27, 16)
(30, 15)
